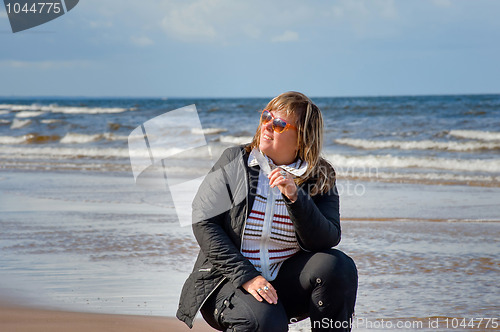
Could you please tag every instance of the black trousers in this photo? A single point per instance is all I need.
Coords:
(319, 285)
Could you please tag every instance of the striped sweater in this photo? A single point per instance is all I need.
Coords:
(269, 235)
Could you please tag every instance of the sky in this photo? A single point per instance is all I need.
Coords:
(235, 48)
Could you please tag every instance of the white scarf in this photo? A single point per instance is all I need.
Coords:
(256, 157)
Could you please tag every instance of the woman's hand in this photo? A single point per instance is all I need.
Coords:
(260, 288)
(284, 181)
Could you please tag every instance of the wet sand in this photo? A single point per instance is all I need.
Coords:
(22, 319)
(91, 243)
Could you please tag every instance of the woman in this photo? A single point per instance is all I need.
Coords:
(266, 256)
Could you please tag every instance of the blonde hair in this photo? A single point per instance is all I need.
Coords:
(309, 122)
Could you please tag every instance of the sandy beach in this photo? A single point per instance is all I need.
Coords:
(83, 244)
(23, 319)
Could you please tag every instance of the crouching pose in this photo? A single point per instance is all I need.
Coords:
(266, 218)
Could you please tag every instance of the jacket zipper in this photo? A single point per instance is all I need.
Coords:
(244, 223)
(266, 232)
(210, 294)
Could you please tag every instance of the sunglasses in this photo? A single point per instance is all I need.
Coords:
(279, 125)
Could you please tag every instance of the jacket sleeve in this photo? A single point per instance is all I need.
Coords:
(210, 210)
(316, 221)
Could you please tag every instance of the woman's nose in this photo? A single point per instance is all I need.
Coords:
(268, 126)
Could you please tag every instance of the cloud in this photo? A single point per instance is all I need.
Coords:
(287, 36)
(191, 22)
(141, 41)
(228, 21)
(232, 22)
(44, 65)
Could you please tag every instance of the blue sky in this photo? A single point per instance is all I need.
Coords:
(233, 48)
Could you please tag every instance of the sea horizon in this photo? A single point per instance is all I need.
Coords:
(451, 94)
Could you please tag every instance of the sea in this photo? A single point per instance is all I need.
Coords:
(418, 178)
(434, 139)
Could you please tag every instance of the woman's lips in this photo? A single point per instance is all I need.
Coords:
(267, 137)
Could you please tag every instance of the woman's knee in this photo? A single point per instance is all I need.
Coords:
(332, 266)
(260, 321)
(241, 312)
(273, 321)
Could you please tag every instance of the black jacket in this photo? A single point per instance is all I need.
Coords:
(220, 210)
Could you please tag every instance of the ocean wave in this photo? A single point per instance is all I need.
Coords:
(476, 134)
(31, 138)
(63, 109)
(12, 139)
(75, 138)
(62, 152)
(29, 114)
(3, 121)
(341, 162)
(49, 121)
(389, 161)
(419, 145)
(71, 138)
(90, 110)
(4, 112)
(418, 177)
(25, 152)
(39, 139)
(208, 131)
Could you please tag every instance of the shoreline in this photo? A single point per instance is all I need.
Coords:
(14, 317)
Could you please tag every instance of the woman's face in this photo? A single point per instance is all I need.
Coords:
(280, 147)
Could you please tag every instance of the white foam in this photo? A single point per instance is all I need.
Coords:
(63, 153)
(16, 108)
(12, 139)
(208, 131)
(63, 109)
(113, 137)
(236, 139)
(28, 114)
(4, 112)
(75, 138)
(89, 110)
(49, 121)
(72, 138)
(425, 176)
(389, 161)
(16, 124)
(476, 134)
(419, 145)
(82, 152)
(4, 121)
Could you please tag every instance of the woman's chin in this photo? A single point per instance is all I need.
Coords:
(265, 148)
